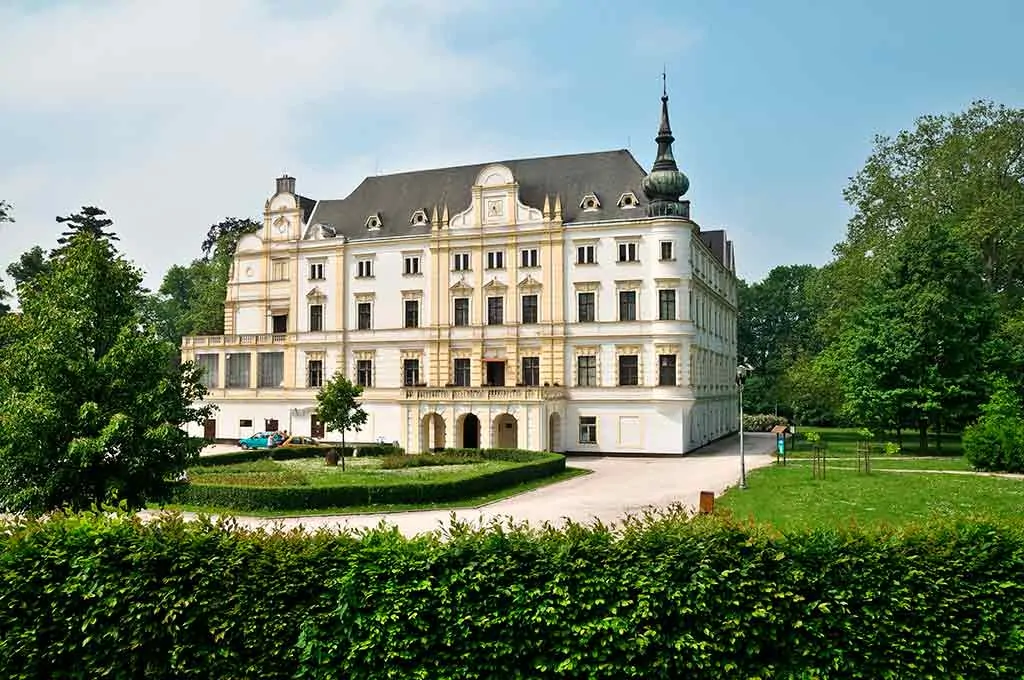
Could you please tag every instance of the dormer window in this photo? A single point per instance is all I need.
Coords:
(373, 222)
(419, 217)
(590, 202)
(628, 200)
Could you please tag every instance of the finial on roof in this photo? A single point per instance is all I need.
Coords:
(665, 183)
(546, 211)
(434, 220)
(558, 207)
(664, 83)
(444, 215)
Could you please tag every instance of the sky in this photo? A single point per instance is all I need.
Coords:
(174, 114)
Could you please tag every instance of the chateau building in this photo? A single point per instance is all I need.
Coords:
(566, 303)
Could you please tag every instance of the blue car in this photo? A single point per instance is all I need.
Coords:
(262, 440)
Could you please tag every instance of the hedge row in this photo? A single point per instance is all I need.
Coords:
(666, 597)
(413, 491)
(293, 452)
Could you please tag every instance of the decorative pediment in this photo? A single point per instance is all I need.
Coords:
(316, 294)
(461, 288)
(587, 286)
(667, 283)
(529, 283)
(632, 284)
(412, 294)
(494, 285)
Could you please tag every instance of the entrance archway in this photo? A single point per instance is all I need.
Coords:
(555, 432)
(506, 432)
(432, 432)
(469, 431)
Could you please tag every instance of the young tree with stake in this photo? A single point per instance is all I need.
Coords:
(339, 409)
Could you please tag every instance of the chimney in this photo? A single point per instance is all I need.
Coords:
(285, 184)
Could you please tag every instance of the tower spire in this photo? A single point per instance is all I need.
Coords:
(665, 183)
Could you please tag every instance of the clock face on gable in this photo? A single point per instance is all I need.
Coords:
(495, 208)
(281, 225)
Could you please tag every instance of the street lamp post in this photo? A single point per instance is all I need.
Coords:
(742, 371)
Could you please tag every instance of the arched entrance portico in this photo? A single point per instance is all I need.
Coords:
(555, 433)
(468, 431)
(432, 432)
(505, 434)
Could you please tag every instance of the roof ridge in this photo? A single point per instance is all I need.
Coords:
(465, 166)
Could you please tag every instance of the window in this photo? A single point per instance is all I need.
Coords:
(316, 271)
(588, 429)
(495, 311)
(315, 373)
(412, 313)
(460, 262)
(629, 369)
(237, 370)
(364, 316)
(270, 369)
(364, 372)
(528, 258)
(627, 305)
(586, 371)
(666, 251)
(279, 270)
(496, 259)
(279, 323)
(245, 422)
(316, 318)
(208, 365)
(364, 269)
(666, 369)
(585, 255)
(461, 311)
(412, 265)
(411, 372)
(461, 373)
(529, 309)
(586, 311)
(667, 305)
(530, 371)
(628, 252)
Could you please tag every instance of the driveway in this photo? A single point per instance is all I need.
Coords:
(616, 487)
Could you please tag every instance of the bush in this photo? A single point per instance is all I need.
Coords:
(395, 462)
(92, 596)
(762, 422)
(996, 442)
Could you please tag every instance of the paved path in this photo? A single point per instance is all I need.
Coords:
(617, 486)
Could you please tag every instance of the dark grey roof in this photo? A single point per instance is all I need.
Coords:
(395, 198)
(719, 245)
(306, 205)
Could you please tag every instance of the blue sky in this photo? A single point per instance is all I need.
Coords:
(172, 114)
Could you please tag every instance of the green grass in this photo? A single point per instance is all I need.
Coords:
(474, 502)
(842, 441)
(892, 463)
(789, 498)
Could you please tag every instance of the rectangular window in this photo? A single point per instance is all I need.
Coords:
(628, 252)
(245, 422)
(364, 372)
(667, 251)
(208, 364)
(279, 270)
(364, 316)
(460, 375)
(495, 311)
(529, 309)
(667, 305)
(411, 372)
(627, 305)
(316, 318)
(315, 373)
(316, 271)
(666, 369)
(629, 369)
(270, 369)
(460, 262)
(586, 371)
(461, 312)
(237, 370)
(279, 323)
(364, 269)
(528, 258)
(496, 259)
(585, 255)
(588, 429)
(530, 371)
(412, 313)
(586, 311)
(412, 265)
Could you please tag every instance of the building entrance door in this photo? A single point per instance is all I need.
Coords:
(316, 427)
(209, 429)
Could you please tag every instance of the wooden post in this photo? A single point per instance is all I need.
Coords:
(707, 502)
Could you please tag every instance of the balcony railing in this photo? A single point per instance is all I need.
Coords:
(234, 340)
(484, 393)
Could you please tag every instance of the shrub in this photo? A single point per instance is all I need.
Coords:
(996, 441)
(394, 462)
(762, 422)
(91, 596)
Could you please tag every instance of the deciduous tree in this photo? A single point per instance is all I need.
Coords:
(338, 407)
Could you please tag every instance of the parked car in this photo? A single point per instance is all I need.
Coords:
(262, 440)
(299, 440)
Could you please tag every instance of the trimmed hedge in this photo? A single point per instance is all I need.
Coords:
(529, 466)
(665, 597)
(293, 452)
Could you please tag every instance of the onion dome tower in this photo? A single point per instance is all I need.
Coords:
(666, 183)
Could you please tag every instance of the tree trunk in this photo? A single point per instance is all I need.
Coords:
(343, 450)
(922, 433)
(899, 434)
(938, 433)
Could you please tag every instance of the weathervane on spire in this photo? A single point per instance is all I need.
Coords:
(664, 82)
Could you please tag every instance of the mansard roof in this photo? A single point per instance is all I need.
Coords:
(396, 197)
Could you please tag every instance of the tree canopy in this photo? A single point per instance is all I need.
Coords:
(339, 409)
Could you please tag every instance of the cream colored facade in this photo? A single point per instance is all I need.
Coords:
(506, 312)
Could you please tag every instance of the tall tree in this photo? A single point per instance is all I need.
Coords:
(32, 264)
(91, 221)
(91, 410)
(339, 409)
(5, 212)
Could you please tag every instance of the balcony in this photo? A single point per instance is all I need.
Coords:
(262, 339)
(498, 394)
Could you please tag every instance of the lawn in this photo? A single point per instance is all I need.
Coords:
(788, 498)
(890, 462)
(843, 441)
